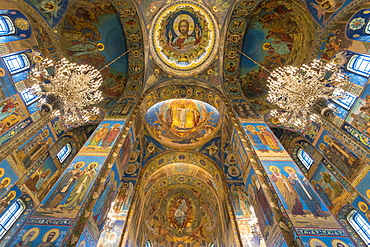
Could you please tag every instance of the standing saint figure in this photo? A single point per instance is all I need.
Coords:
(182, 111)
(99, 135)
(65, 184)
(303, 188)
(255, 138)
(81, 187)
(268, 138)
(111, 136)
(283, 185)
(180, 212)
(184, 41)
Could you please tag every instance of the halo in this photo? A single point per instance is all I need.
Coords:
(12, 194)
(82, 244)
(264, 46)
(334, 243)
(37, 232)
(2, 172)
(322, 146)
(270, 168)
(102, 46)
(368, 193)
(289, 169)
(249, 127)
(116, 125)
(327, 139)
(236, 169)
(105, 125)
(50, 231)
(362, 205)
(80, 162)
(2, 72)
(93, 163)
(8, 181)
(229, 158)
(315, 240)
(109, 236)
(37, 58)
(183, 17)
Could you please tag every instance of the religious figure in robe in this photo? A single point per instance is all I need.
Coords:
(184, 41)
(303, 188)
(27, 239)
(255, 138)
(268, 139)
(66, 183)
(99, 135)
(181, 212)
(48, 242)
(111, 136)
(80, 188)
(284, 186)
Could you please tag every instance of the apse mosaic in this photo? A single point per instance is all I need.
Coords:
(182, 123)
(184, 36)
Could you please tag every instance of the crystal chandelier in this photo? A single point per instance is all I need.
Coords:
(70, 90)
(302, 93)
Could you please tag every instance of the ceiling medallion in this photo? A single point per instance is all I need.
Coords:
(183, 38)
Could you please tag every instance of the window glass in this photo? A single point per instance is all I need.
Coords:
(64, 152)
(360, 225)
(6, 25)
(29, 96)
(17, 63)
(304, 158)
(148, 244)
(359, 64)
(347, 101)
(10, 216)
(367, 28)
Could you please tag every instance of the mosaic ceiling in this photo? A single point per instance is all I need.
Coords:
(184, 36)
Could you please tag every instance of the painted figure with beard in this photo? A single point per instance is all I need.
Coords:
(303, 188)
(49, 238)
(184, 40)
(64, 186)
(284, 186)
(28, 238)
(80, 188)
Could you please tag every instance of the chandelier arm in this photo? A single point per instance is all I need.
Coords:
(254, 61)
(114, 60)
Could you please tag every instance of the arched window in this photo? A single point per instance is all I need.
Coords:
(17, 63)
(10, 216)
(64, 152)
(148, 244)
(346, 101)
(29, 96)
(6, 26)
(360, 225)
(359, 64)
(367, 28)
(211, 245)
(306, 160)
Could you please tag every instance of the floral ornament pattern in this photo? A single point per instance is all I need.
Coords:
(357, 23)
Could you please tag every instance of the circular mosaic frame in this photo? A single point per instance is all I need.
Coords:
(184, 37)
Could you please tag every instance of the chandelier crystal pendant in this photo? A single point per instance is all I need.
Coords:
(302, 93)
(70, 90)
